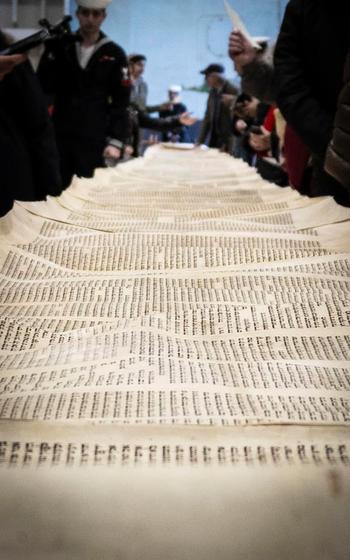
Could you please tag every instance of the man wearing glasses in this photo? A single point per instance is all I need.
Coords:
(87, 75)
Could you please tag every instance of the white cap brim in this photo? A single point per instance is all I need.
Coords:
(93, 4)
(175, 89)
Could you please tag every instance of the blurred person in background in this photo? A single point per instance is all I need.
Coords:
(141, 119)
(139, 87)
(255, 123)
(255, 67)
(139, 111)
(176, 107)
(249, 117)
(217, 123)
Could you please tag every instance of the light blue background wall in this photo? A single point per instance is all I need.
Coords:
(181, 37)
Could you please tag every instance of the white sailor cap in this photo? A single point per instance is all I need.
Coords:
(93, 4)
(175, 89)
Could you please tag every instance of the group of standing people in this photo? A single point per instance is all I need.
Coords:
(84, 77)
(306, 76)
(173, 118)
(294, 104)
(99, 101)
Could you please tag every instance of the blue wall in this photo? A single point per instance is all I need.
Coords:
(180, 37)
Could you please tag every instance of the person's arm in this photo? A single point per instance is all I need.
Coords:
(166, 106)
(294, 96)
(119, 125)
(255, 68)
(164, 124)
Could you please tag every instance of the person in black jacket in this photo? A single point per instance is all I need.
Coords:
(338, 154)
(29, 159)
(308, 68)
(217, 121)
(88, 77)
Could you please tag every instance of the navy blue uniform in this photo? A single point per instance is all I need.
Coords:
(90, 104)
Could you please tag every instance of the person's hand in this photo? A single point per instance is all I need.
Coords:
(112, 152)
(152, 140)
(241, 50)
(240, 126)
(186, 119)
(260, 142)
(9, 62)
(128, 150)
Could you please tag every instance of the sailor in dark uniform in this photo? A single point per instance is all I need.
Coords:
(87, 75)
(176, 107)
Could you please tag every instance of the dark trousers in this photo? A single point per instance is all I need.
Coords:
(78, 156)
